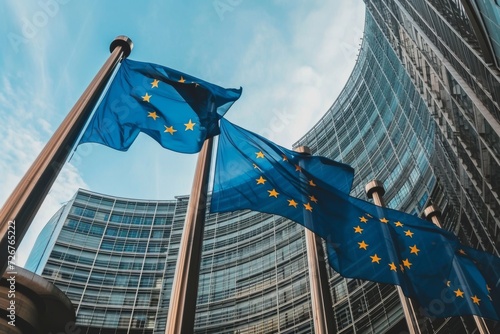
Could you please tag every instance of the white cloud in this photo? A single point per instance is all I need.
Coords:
(296, 76)
(64, 188)
(328, 37)
(23, 136)
(33, 23)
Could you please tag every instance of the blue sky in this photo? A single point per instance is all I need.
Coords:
(292, 59)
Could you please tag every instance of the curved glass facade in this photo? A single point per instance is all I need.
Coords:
(420, 112)
(115, 259)
(487, 14)
(381, 126)
(254, 276)
(436, 44)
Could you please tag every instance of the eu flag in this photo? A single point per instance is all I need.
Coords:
(175, 109)
(363, 240)
(431, 266)
(251, 173)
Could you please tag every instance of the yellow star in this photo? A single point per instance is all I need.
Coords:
(488, 288)
(313, 199)
(459, 293)
(358, 229)
(375, 258)
(261, 180)
(409, 233)
(190, 126)
(260, 155)
(383, 220)
(308, 207)
(170, 129)
(461, 251)
(284, 157)
(154, 84)
(363, 245)
(401, 267)
(312, 184)
(182, 80)
(291, 202)
(414, 250)
(407, 263)
(398, 224)
(146, 97)
(475, 300)
(273, 193)
(298, 168)
(448, 283)
(393, 266)
(363, 220)
(153, 115)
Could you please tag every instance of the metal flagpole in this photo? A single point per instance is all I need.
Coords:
(375, 189)
(182, 307)
(21, 207)
(322, 307)
(432, 213)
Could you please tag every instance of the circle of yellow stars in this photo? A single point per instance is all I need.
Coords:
(375, 258)
(274, 193)
(189, 126)
(406, 264)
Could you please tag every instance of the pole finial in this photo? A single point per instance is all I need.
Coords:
(431, 211)
(374, 186)
(125, 43)
(303, 149)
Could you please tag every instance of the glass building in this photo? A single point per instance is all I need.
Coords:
(115, 259)
(420, 112)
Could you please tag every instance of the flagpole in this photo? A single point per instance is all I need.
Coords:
(182, 307)
(22, 205)
(375, 189)
(432, 213)
(322, 307)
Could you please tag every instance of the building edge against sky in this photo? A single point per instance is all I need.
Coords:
(420, 112)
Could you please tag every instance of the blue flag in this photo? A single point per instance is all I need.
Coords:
(177, 110)
(429, 264)
(251, 173)
(363, 240)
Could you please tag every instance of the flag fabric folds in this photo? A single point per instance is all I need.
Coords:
(363, 240)
(251, 173)
(428, 263)
(175, 109)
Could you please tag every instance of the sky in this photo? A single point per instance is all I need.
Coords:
(292, 59)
